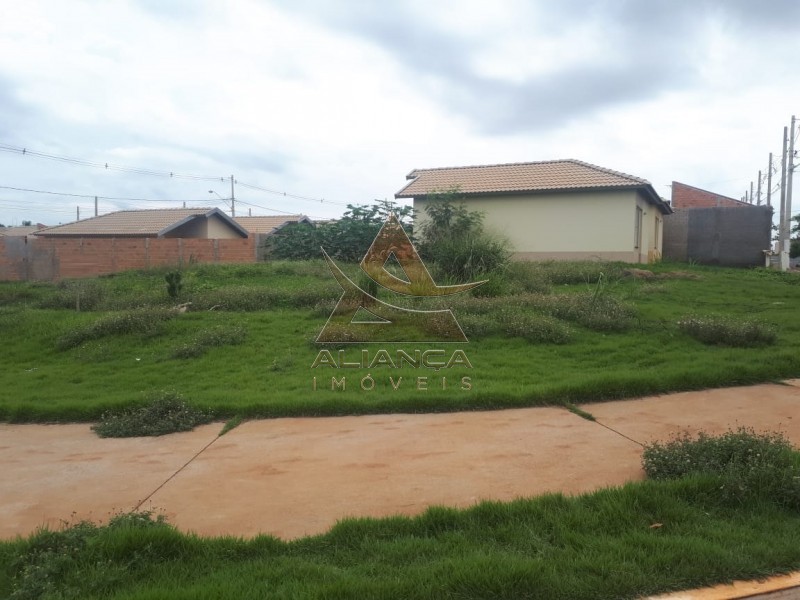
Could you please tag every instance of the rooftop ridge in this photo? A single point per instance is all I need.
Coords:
(573, 161)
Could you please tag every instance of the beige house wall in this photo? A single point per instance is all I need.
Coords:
(218, 229)
(569, 225)
(211, 228)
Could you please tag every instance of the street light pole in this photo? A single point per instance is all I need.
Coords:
(233, 198)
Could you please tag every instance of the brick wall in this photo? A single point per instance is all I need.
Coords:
(52, 258)
(686, 196)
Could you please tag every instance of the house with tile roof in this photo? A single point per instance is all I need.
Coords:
(20, 231)
(554, 210)
(192, 223)
(127, 239)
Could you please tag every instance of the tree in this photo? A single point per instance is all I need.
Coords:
(455, 240)
(27, 223)
(345, 239)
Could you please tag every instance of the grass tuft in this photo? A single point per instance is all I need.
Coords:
(129, 322)
(165, 412)
(725, 331)
(211, 338)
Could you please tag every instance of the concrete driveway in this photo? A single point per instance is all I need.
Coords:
(295, 477)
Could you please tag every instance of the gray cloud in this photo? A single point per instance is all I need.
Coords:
(657, 47)
(13, 113)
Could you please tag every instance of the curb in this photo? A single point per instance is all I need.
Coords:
(780, 587)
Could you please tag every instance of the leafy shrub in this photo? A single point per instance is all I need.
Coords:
(210, 338)
(749, 463)
(164, 412)
(726, 331)
(174, 281)
(469, 258)
(50, 564)
(454, 239)
(134, 321)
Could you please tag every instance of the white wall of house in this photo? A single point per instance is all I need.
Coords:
(570, 225)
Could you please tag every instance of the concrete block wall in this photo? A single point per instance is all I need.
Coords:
(52, 258)
(719, 236)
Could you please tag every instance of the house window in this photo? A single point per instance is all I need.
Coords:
(637, 229)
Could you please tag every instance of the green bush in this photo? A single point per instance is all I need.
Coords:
(749, 463)
(164, 412)
(50, 564)
(134, 321)
(726, 331)
(174, 281)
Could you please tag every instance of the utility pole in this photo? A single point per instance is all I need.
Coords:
(758, 195)
(233, 200)
(784, 255)
(789, 177)
(751, 192)
(769, 181)
(79, 213)
(95, 206)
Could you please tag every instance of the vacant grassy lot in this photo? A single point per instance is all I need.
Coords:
(548, 333)
(541, 334)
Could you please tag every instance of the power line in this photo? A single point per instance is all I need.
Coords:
(288, 195)
(105, 165)
(36, 204)
(6, 187)
(142, 171)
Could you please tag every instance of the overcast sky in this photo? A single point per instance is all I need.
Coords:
(338, 101)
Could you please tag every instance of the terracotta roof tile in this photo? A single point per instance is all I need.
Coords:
(140, 223)
(566, 174)
(268, 224)
(21, 231)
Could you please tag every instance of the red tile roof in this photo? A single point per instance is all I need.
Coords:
(542, 176)
(136, 223)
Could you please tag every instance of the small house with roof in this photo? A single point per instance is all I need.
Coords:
(554, 210)
(127, 239)
(191, 223)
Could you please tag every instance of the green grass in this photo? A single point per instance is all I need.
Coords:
(644, 538)
(253, 327)
(583, 340)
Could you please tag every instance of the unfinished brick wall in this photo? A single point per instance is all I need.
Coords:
(53, 258)
(686, 196)
(726, 236)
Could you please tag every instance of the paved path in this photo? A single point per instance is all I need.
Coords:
(293, 477)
